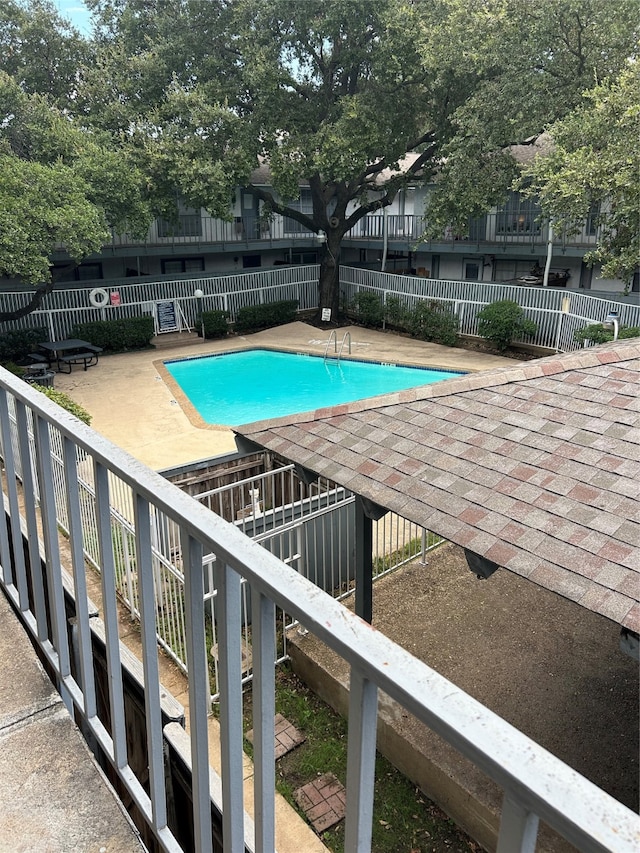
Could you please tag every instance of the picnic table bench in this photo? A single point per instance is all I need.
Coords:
(69, 352)
(87, 357)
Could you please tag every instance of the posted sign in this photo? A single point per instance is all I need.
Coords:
(167, 317)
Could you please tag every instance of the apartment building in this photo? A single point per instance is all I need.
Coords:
(509, 243)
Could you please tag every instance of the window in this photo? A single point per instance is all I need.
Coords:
(305, 205)
(84, 272)
(518, 216)
(471, 270)
(592, 219)
(249, 261)
(304, 257)
(188, 223)
(178, 266)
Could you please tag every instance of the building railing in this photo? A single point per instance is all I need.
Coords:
(558, 313)
(537, 786)
(498, 229)
(309, 527)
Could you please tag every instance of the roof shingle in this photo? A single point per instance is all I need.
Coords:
(536, 467)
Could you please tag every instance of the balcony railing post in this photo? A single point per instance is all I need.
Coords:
(148, 631)
(361, 761)
(518, 828)
(264, 655)
(230, 688)
(198, 690)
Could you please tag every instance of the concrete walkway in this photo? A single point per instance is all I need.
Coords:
(53, 796)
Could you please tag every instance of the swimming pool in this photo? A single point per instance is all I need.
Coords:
(236, 388)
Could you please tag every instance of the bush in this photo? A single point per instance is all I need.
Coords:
(214, 324)
(16, 344)
(502, 322)
(368, 309)
(117, 335)
(397, 314)
(251, 318)
(596, 334)
(435, 322)
(66, 402)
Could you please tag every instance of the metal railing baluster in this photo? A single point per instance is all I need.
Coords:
(230, 686)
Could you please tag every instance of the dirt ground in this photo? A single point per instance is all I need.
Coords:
(548, 666)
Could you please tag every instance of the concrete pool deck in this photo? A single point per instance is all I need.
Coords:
(134, 403)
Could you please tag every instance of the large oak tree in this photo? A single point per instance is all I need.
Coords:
(333, 95)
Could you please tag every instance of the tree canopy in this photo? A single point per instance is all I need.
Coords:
(595, 165)
(533, 62)
(350, 98)
(61, 182)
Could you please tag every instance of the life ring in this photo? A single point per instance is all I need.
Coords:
(99, 297)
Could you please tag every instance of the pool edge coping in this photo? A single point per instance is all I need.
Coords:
(195, 418)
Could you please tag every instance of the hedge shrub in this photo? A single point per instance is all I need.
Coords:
(18, 343)
(596, 334)
(65, 401)
(503, 321)
(397, 314)
(117, 335)
(214, 324)
(435, 322)
(251, 318)
(368, 309)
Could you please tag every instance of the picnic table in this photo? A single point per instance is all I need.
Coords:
(70, 351)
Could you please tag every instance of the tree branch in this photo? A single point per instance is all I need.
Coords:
(36, 298)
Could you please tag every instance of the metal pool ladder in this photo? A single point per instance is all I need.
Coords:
(346, 338)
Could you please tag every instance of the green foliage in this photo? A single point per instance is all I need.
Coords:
(629, 332)
(15, 344)
(117, 335)
(41, 49)
(525, 66)
(331, 97)
(434, 321)
(368, 309)
(595, 165)
(502, 322)
(397, 314)
(403, 819)
(65, 401)
(59, 183)
(214, 324)
(251, 318)
(597, 334)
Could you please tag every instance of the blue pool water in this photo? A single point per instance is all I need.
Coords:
(236, 388)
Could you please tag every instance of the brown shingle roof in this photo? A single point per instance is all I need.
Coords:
(535, 466)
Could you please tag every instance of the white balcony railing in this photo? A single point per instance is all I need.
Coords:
(536, 785)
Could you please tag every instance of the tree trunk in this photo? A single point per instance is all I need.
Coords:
(329, 283)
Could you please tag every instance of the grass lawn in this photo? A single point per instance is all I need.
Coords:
(405, 821)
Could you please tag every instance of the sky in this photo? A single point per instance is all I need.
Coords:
(76, 12)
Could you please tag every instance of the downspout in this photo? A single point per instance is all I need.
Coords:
(547, 266)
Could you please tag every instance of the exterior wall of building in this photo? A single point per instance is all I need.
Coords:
(502, 246)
